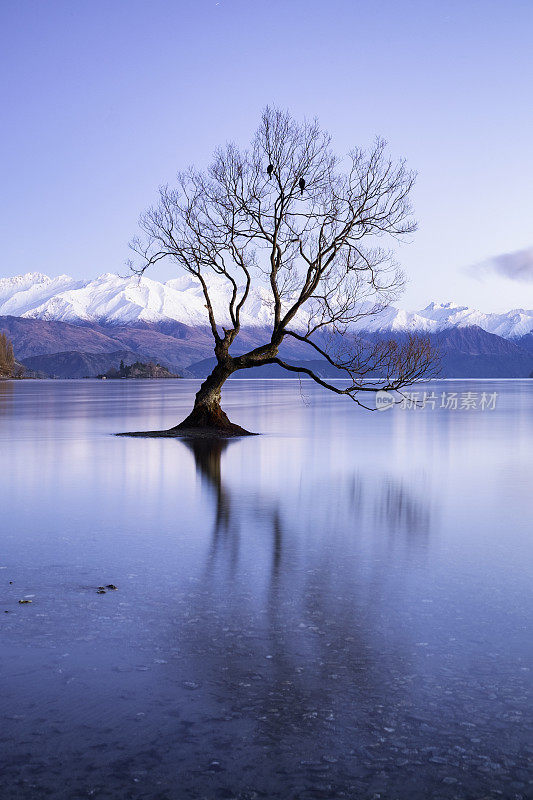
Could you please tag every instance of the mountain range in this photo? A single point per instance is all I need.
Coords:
(68, 328)
(114, 300)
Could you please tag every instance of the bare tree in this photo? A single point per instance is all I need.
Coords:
(290, 215)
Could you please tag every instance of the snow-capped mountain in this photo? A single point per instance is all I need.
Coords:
(441, 316)
(113, 300)
(117, 300)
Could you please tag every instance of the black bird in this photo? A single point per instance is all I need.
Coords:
(301, 184)
(270, 170)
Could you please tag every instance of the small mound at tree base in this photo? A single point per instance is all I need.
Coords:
(203, 423)
(188, 433)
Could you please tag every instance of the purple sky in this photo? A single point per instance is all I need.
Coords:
(103, 101)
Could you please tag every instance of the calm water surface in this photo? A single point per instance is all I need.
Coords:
(339, 608)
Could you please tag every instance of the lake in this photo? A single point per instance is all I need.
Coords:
(338, 608)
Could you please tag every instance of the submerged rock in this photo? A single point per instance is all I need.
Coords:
(190, 685)
(215, 766)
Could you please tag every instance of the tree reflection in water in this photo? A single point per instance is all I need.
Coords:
(6, 397)
(286, 642)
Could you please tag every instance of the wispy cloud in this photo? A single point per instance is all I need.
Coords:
(517, 266)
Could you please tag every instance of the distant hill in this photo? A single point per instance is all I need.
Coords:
(526, 342)
(32, 337)
(173, 344)
(474, 353)
(465, 353)
(68, 350)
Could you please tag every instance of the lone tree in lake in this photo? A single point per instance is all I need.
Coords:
(289, 215)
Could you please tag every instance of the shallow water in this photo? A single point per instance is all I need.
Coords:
(337, 608)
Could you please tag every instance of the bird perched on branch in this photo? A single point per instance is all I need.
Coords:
(301, 184)
(270, 170)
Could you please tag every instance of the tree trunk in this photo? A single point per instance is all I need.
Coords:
(207, 414)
